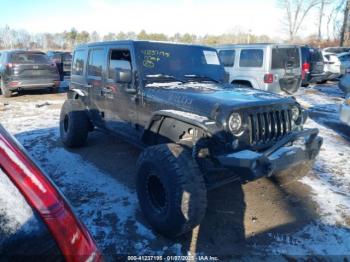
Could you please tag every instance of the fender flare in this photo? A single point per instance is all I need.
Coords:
(208, 126)
(250, 80)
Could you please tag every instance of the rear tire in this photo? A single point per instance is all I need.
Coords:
(4, 91)
(74, 124)
(171, 189)
(304, 85)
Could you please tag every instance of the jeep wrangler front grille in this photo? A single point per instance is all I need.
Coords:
(268, 126)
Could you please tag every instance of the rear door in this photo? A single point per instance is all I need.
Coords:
(67, 63)
(95, 77)
(316, 61)
(78, 73)
(286, 65)
(32, 65)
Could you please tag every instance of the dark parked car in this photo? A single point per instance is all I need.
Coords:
(26, 70)
(36, 222)
(197, 132)
(312, 65)
(63, 61)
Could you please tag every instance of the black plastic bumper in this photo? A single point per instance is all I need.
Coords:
(287, 152)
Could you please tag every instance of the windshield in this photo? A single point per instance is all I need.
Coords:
(182, 63)
(29, 58)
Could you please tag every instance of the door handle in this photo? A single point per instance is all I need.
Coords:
(88, 86)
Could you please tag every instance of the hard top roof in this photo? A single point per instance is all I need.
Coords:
(131, 42)
(253, 44)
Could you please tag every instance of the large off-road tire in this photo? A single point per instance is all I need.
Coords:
(74, 124)
(5, 91)
(294, 173)
(171, 189)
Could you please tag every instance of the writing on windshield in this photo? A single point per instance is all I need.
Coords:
(151, 57)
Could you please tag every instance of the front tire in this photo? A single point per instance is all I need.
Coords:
(4, 90)
(171, 189)
(74, 124)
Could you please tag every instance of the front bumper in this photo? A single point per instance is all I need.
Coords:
(345, 114)
(294, 149)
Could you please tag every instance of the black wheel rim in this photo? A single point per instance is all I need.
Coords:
(66, 123)
(156, 192)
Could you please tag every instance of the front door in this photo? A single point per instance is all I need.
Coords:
(121, 115)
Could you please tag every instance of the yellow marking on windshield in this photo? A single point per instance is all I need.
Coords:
(153, 56)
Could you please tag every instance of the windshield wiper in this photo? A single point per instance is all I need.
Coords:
(162, 78)
(201, 78)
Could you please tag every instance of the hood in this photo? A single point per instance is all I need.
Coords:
(202, 98)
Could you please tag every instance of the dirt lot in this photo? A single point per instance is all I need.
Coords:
(309, 216)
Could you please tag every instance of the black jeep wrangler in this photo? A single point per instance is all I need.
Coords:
(197, 132)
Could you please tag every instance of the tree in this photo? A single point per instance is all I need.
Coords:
(95, 37)
(296, 11)
(83, 37)
(110, 37)
(71, 37)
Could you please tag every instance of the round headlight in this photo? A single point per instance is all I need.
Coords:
(295, 113)
(235, 123)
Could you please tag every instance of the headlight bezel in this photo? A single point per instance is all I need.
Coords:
(237, 131)
(296, 113)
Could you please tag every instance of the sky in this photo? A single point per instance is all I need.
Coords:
(157, 16)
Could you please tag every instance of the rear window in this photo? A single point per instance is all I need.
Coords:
(285, 57)
(29, 58)
(78, 63)
(251, 58)
(227, 57)
(315, 55)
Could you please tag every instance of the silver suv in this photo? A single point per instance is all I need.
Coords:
(270, 67)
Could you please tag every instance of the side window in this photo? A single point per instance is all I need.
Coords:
(118, 59)
(96, 62)
(227, 57)
(78, 62)
(251, 58)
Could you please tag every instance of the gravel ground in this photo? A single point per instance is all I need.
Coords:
(310, 216)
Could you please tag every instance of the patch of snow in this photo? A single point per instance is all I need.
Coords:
(330, 187)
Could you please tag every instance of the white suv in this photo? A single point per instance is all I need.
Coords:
(269, 67)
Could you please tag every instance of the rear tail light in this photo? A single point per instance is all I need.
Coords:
(71, 236)
(13, 83)
(306, 67)
(10, 65)
(305, 70)
(268, 78)
(57, 83)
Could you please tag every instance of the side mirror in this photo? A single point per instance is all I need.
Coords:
(120, 71)
(123, 76)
